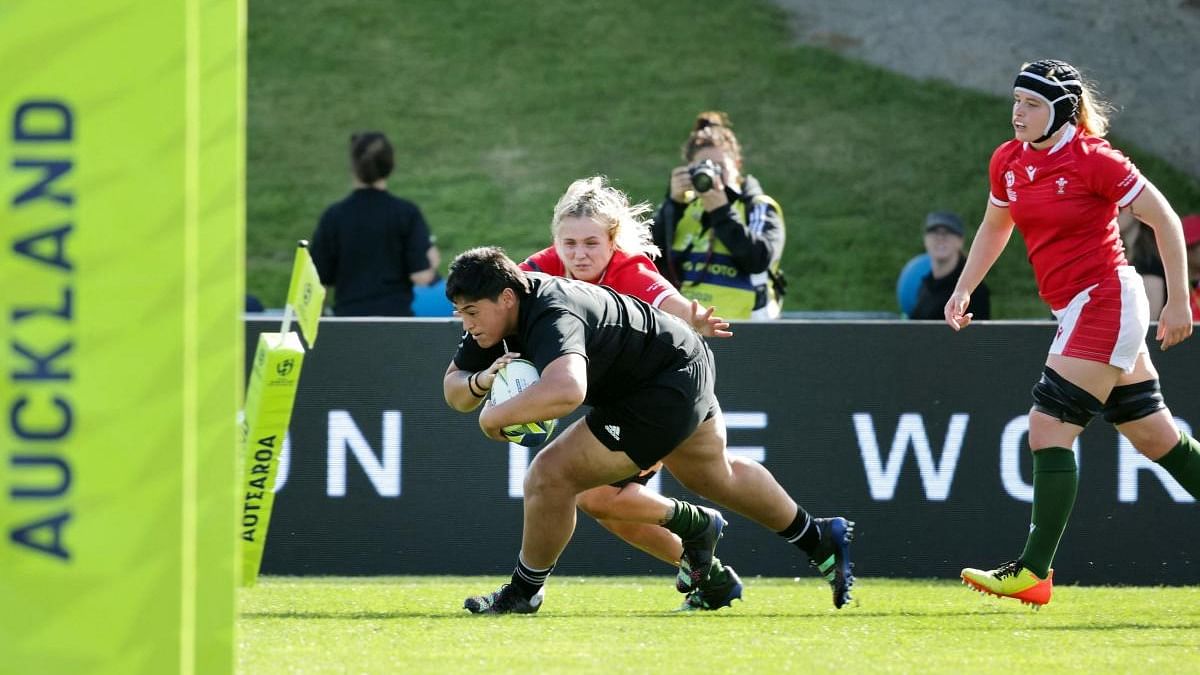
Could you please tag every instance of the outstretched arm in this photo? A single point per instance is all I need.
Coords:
(703, 322)
(990, 240)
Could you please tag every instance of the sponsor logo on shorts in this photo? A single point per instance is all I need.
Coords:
(614, 431)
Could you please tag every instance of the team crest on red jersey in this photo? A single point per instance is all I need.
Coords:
(1062, 184)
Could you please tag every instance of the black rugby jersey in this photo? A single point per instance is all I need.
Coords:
(626, 342)
(366, 246)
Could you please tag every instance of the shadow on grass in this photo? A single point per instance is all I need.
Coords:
(658, 614)
(460, 614)
(1122, 626)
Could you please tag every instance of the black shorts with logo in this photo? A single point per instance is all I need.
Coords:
(652, 421)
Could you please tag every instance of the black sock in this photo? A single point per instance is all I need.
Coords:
(687, 521)
(802, 532)
(528, 580)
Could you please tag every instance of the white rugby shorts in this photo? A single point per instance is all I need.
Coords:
(1106, 322)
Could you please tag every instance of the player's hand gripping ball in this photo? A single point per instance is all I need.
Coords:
(511, 380)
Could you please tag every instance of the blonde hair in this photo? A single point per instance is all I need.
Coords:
(1092, 117)
(625, 224)
(712, 129)
(1093, 112)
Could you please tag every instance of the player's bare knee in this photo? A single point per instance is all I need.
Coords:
(546, 473)
(1153, 436)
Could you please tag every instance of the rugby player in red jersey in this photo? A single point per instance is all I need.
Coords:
(1060, 183)
(611, 246)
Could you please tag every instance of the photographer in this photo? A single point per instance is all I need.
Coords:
(722, 236)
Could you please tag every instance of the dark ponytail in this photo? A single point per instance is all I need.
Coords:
(371, 156)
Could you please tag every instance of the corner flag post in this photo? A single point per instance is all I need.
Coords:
(270, 396)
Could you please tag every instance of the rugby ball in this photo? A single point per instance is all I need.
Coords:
(511, 380)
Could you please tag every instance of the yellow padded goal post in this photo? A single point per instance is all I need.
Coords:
(120, 322)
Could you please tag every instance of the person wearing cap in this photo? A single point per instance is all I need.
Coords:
(1191, 239)
(944, 245)
(1060, 183)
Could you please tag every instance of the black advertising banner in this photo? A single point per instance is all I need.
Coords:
(914, 431)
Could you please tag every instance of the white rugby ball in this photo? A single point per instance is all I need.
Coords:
(511, 380)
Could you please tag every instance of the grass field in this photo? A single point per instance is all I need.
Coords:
(611, 624)
(495, 107)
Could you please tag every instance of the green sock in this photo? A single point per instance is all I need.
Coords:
(1183, 463)
(1055, 480)
(716, 572)
(686, 520)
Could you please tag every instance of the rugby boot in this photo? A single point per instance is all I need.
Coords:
(1012, 580)
(831, 558)
(507, 600)
(720, 590)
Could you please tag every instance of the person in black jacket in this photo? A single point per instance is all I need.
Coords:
(944, 244)
(373, 247)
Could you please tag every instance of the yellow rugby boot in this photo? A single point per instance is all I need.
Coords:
(1011, 580)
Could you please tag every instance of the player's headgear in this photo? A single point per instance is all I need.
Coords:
(1058, 84)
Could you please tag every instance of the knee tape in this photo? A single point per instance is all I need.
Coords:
(1060, 399)
(641, 478)
(1131, 402)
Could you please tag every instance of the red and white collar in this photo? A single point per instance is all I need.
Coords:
(1067, 136)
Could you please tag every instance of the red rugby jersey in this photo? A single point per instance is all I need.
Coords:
(1064, 200)
(629, 274)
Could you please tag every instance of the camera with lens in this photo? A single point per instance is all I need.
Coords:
(703, 175)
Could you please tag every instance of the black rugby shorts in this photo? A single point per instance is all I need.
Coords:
(652, 421)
